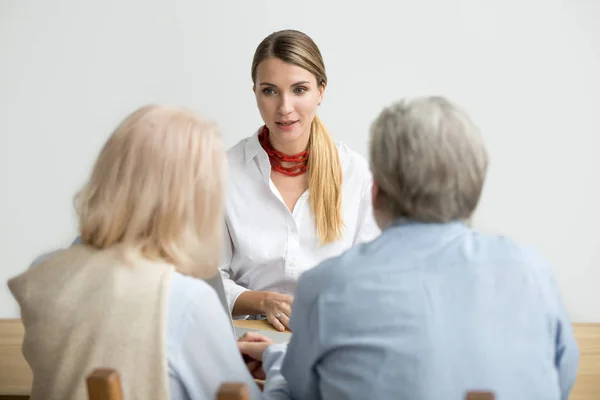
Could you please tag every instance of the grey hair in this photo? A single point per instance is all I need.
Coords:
(428, 160)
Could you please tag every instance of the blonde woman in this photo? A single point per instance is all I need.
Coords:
(127, 297)
(295, 197)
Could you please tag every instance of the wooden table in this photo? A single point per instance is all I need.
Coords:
(253, 324)
(15, 375)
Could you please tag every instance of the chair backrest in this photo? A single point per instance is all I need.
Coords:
(105, 384)
(233, 391)
(480, 395)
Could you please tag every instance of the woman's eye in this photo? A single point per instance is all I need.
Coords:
(268, 91)
(299, 90)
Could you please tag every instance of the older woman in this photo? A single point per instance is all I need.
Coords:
(127, 297)
(431, 309)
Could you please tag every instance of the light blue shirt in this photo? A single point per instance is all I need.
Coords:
(201, 347)
(428, 311)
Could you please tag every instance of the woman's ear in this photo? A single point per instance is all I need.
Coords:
(380, 212)
(375, 194)
(322, 92)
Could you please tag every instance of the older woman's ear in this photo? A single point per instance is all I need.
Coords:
(381, 212)
(374, 193)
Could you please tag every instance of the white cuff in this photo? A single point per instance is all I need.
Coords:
(232, 292)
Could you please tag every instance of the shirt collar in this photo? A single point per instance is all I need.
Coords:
(412, 227)
(253, 147)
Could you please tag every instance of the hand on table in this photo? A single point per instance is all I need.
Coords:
(278, 308)
(252, 345)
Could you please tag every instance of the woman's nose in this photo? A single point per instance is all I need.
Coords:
(285, 105)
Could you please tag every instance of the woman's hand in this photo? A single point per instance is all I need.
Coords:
(278, 308)
(252, 345)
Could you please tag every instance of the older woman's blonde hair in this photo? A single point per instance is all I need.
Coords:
(157, 187)
(428, 160)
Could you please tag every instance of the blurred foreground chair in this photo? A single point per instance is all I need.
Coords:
(480, 396)
(105, 384)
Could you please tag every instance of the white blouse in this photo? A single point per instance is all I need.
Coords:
(267, 247)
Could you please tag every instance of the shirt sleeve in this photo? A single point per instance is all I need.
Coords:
(290, 369)
(232, 289)
(567, 350)
(216, 282)
(204, 354)
(276, 387)
(566, 355)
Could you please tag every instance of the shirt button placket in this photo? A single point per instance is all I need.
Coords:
(293, 245)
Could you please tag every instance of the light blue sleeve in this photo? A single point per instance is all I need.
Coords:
(567, 350)
(290, 371)
(276, 387)
(566, 356)
(202, 350)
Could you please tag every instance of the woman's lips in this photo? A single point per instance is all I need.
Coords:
(286, 125)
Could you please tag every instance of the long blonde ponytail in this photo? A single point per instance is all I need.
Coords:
(325, 183)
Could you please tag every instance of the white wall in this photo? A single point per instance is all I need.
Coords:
(70, 70)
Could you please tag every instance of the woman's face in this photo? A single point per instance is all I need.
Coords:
(287, 97)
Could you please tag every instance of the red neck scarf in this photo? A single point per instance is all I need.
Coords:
(277, 157)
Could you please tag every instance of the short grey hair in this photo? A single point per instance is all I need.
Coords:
(428, 160)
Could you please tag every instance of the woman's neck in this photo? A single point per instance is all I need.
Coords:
(292, 162)
(291, 148)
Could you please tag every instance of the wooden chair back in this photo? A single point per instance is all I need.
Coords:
(480, 395)
(233, 391)
(105, 384)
